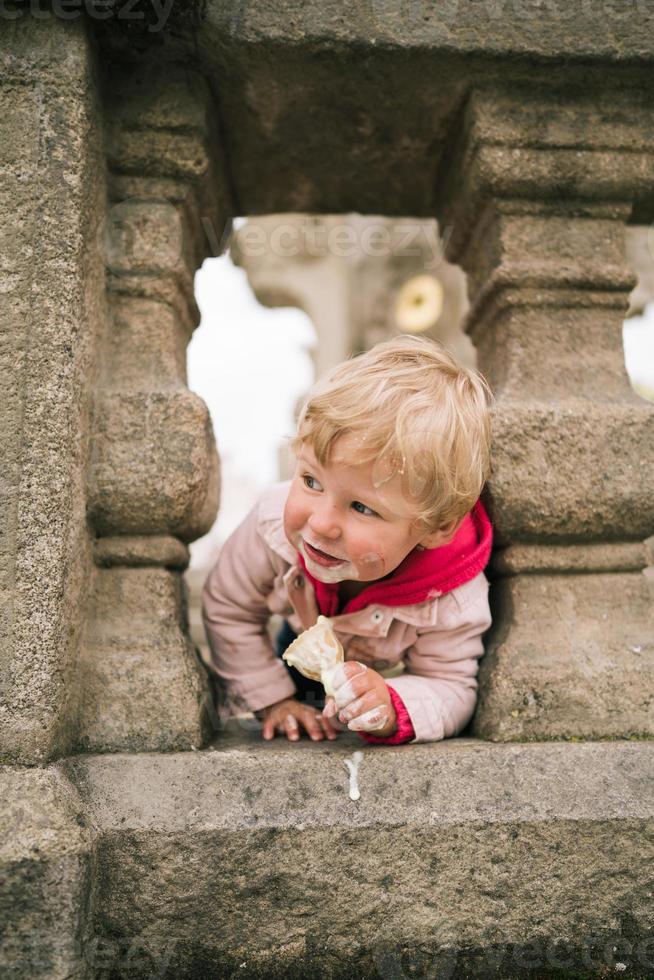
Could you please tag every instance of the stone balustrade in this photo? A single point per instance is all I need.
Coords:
(529, 139)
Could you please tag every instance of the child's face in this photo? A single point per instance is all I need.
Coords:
(366, 531)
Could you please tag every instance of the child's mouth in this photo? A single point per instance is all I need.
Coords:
(321, 556)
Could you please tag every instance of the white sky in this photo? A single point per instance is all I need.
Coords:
(251, 364)
(638, 336)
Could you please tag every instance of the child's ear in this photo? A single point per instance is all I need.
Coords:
(443, 536)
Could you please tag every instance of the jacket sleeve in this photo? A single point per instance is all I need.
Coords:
(404, 731)
(236, 615)
(439, 683)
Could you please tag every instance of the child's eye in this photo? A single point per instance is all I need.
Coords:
(367, 510)
(307, 482)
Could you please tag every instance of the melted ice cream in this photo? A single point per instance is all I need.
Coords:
(353, 768)
(316, 653)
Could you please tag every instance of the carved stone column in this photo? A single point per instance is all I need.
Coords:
(536, 196)
(51, 311)
(154, 473)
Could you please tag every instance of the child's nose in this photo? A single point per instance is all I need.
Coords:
(324, 524)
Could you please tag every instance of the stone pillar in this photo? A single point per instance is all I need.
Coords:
(538, 190)
(153, 483)
(51, 309)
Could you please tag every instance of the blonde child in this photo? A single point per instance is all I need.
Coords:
(382, 530)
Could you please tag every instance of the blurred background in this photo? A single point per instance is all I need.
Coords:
(296, 294)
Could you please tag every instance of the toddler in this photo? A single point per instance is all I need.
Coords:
(381, 529)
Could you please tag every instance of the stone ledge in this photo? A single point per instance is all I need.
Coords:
(248, 859)
(241, 782)
(576, 28)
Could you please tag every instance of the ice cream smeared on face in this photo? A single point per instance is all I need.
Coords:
(341, 572)
(316, 653)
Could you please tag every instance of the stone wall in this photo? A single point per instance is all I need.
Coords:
(52, 311)
(109, 470)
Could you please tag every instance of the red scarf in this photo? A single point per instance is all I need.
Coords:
(422, 575)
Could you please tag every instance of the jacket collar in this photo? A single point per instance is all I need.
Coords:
(423, 575)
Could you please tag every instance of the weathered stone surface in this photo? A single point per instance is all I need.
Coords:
(144, 238)
(576, 353)
(139, 550)
(478, 26)
(51, 308)
(254, 854)
(146, 341)
(463, 850)
(572, 470)
(153, 474)
(563, 660)
(164, 148)
(154, 469)
(610, 32)
(621, 556)
(537, 197)
(46, 877)
(252, 861)
(272, 68)
(519, 246)
(144, 687)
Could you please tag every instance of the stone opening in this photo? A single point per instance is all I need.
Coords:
(638, 328)
(360, 279)
(250, 364)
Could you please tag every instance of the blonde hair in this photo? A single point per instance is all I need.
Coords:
(416, 413)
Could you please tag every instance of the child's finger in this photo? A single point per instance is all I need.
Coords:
(370, 721)
(345, 672)
(291, 728)
(268, 729)
(329, 713)
(358, 707)
(312, 725)
(328, 728)
(352, 689)
(330, 709)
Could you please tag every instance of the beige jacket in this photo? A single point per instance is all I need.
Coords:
(439, 642)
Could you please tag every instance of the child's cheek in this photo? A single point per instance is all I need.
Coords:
(293, 519)
(370, 563)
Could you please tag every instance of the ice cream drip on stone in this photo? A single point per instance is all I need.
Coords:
(353, 769)
(316, 653)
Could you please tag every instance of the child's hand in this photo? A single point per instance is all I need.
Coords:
(288, 715)
(363, 698)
